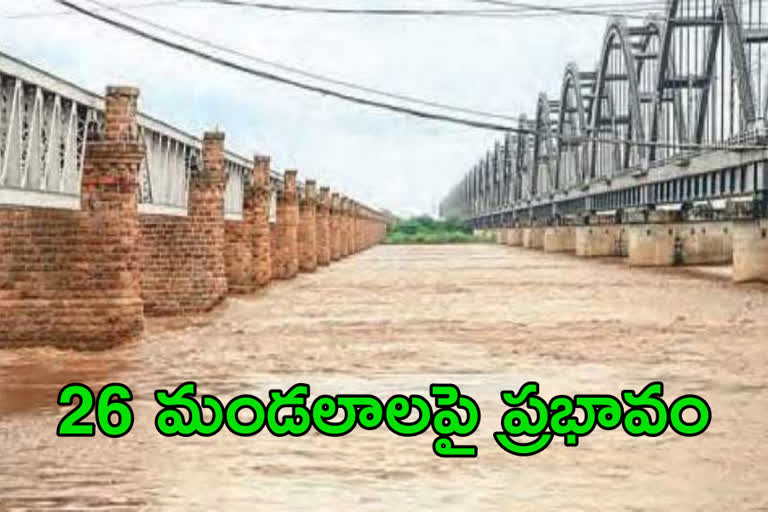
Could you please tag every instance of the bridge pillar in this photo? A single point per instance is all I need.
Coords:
(693, 243)
(345, 226)
(257, 208)
(652, 245)
(600, 240)
(238, 253)
(308, 228)
(354, 228)
(515, 237)
(172, 281)
(206, 217)
(705, 243)
(276, 253)
(287, 224)
(559, 239)
(323, 227)
(533, 238)
(335, 227)
(71, 278)
(750, 251)
(361, 228)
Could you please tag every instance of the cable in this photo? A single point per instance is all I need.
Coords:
(510, 13)
(406, 12)
(49, 14)
(304, 73)
(373, 103)
(288, 81)
(558, 9)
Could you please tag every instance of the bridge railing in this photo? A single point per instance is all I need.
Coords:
(171, 157)
(238, 170)
(45, 126)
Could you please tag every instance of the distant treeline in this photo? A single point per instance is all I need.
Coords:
(426, 230)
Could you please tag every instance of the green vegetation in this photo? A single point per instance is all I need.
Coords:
(426, 230)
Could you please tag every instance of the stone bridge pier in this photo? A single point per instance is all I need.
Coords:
(323, 227)
(71, 278)
(750, 254)
(307, 233)
(87, 277)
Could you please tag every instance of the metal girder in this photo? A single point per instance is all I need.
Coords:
(666, 84)
(45, 126)
(617, 34)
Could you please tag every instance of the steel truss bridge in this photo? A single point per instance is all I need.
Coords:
(45, 125)
(673, 116)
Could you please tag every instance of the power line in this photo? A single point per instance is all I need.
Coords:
(50, 14)
(288, 81)
(421, 12)
(508, 13)
(575, 11)
(301, 72)
(521, 130)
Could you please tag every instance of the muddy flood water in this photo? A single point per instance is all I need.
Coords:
(394, 320)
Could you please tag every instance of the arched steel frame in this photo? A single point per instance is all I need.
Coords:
(690, 76)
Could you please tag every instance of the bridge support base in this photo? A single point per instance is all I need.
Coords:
(600, 241)
(750, 251)
(515, 237)
(652, 245)
(559, 239)
(533, 238)
(706, 243)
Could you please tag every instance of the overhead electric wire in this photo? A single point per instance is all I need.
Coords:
(288, 81)
(304, 73)
(419, 12)
(69, 12)
(574, 11)
(508, 13)
(374, 103)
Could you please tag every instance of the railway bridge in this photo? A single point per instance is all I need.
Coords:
(108, 215)
(658, 153)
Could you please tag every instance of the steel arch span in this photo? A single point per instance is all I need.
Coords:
(673, 113)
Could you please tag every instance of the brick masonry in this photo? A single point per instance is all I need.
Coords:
(257, 198)
(345, 227)
(307, 232)
(86, 279)
(287, 224)
(274, 241)
(183, 266)
(335, 227)
(323, 228)
(70, 278)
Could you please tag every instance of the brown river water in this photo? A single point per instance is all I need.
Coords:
(394, 320)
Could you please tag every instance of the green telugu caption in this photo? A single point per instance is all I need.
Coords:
(527, 428)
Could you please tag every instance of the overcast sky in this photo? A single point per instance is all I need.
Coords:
(384, 159)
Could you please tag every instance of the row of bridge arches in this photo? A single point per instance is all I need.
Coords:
(663, 87)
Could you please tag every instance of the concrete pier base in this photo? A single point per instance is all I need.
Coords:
(707, 243)
(533, 238)
(599, 241)
(559, 239)
(652, 245)
(515, 237)
(750, 251)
